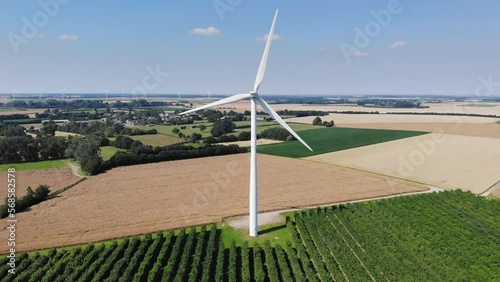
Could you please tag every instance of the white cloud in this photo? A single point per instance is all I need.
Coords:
(68, 37)
(398, 44)
(209, 31)
(321, 49)
(360, 54)
(264, 38)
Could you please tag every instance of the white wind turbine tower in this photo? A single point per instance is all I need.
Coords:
(254, 99)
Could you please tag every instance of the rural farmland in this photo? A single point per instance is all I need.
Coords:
(219, 190)
(253, 141)
(435, 159)
(370, 242)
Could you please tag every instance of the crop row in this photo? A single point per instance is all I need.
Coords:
(446, 236)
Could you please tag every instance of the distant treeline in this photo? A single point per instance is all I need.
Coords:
(14, 116)
(83, 104)
(275, 133)
(302, 113)
(103, 129)
(356, 112)
(141, 154)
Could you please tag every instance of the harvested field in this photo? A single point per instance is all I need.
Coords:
(444, 160)
(146, 198)
(55, 178)
(348, 119)
(449, 107)
(468, 129)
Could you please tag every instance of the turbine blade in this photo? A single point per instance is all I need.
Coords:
(263, 62)
(272, 113)
(227, 100)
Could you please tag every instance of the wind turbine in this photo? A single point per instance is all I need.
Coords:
(254, 99)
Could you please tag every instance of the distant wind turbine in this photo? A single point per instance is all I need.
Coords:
(254, 99)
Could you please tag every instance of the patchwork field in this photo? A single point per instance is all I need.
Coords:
(30, 112)
(447, 107)
(468, 129)
(325, 140)
(348, 119)
(146, 198)
(55, 178)
(445, 160)
(452, 235)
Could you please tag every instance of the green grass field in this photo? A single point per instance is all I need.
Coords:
(108, 151)
(36, 165)
(326, 140)
(157, 139)
(498, 122)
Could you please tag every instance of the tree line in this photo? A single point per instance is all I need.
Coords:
(31, 198)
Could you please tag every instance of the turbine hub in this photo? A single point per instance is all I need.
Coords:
(253, 93)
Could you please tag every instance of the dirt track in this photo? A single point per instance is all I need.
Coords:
(146, 198)
(56, 178)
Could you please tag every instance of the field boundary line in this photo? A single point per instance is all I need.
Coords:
(316, 246)
(492, 189)
(350, 234)
(349, 246)
(329, 250)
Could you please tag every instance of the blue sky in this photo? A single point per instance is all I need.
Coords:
(438, 47)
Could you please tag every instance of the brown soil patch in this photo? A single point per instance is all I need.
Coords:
(146, 198)
(468, 129)
(56, 178)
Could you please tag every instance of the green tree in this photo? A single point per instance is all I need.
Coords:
(317, 121)
(222, 127)
(196, 136)
(203, 127)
